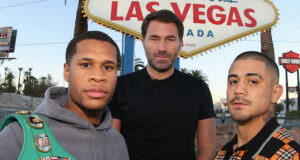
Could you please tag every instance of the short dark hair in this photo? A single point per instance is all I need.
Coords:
(270, 63)
(97, 35)
(163, 16)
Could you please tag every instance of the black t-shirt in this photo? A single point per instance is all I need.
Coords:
(159, 117)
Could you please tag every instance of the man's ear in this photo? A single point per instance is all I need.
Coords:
(143, 43)
(181, 44)
(276, 93)
(66, 72)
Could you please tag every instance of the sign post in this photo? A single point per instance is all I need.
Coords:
(291, 63)
(298, 89)
(287, 100)
(128, 55)
(177, 63)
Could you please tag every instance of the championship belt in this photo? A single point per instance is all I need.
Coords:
(39, 142)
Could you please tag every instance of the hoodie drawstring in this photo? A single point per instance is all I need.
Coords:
(105, 149)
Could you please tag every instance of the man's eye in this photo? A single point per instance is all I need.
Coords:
(85, 65)
(233, 82)
(108, 67)
(253, 82)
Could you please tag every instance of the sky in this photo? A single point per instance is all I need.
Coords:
(46, 26)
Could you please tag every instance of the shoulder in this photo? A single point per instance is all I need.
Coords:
(11, 138)
(114, 133)
(283, 135)
(130, 76)
(189, 78)
(290, 150)
(116, 144)
(11, 129)
(196, 85)
(115, 137)
(127, 81)
(285, 144)
(288, 140)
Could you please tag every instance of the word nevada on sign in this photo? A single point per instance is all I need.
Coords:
(208, 23)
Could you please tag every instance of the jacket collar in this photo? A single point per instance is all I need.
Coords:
(254, 144)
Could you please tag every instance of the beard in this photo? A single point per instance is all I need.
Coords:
(161, 65)
(237, 115)
(159, 69)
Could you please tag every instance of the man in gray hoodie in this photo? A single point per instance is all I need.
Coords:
(77, 117)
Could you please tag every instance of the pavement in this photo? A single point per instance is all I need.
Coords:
(12, 101)
(225, 132)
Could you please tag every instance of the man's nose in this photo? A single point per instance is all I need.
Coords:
(162, 46)
(97, 74)
(240, 89)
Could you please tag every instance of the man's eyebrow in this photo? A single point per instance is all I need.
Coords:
(91, 59)
(247, 74)
(157, 36)
(154, 36)
(85, 59)
(254, 74)
(110, 62)
(232, 75)
(171, 36)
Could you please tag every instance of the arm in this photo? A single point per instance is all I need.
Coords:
(11, 138)
(115, 108)
(206, 139)
(116, 124)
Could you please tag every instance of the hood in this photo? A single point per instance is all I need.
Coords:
(52, 107)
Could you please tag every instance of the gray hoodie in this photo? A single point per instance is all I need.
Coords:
(79, 137)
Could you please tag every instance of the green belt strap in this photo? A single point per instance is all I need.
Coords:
(29, 150)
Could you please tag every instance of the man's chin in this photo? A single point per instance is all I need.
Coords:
(93, 107)
(241, 119)
(162, 68)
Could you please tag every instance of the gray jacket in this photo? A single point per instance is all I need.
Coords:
(79, 137)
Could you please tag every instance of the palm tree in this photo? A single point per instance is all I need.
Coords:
(291, 102)
(138, 64)
(5, 69)
(19, 85)
(278, 108)
(26, 83)
(199, 74)
(196, 73)
(30, 80)
(267, 43)
(184, 70)
(10, 83)
(81, 24)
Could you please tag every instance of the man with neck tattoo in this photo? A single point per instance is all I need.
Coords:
(252, 91)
